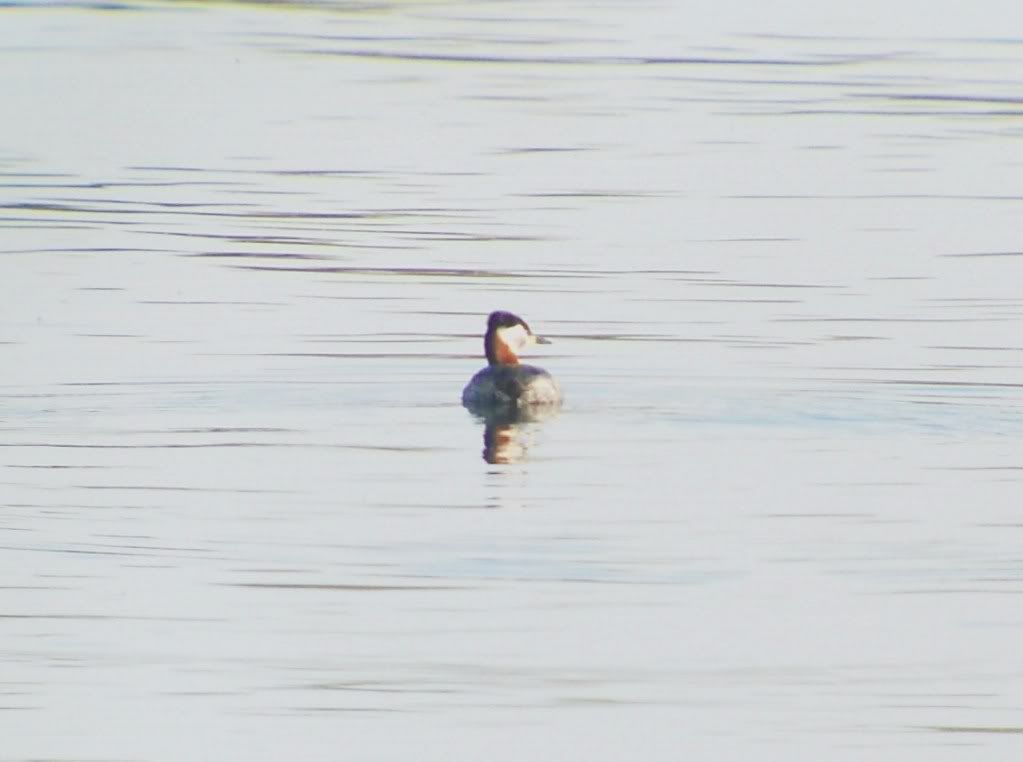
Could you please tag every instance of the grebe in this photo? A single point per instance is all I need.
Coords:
(505, 384)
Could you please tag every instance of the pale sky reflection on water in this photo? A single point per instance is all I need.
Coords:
(246, 255)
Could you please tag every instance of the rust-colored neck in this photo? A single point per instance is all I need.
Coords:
(498, 353)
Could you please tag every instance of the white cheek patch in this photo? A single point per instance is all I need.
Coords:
(515, 337)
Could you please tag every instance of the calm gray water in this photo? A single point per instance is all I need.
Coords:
(246, 255)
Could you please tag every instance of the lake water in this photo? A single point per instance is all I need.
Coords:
(246, 256)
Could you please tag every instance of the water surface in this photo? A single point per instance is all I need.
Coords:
(246, 255)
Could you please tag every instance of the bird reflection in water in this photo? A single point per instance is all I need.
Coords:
(505, 433)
